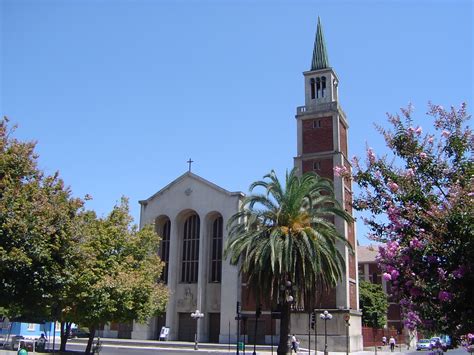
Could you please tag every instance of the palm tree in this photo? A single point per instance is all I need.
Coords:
(286, 236)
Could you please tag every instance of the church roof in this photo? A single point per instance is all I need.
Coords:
(320, 55)
(195, 177)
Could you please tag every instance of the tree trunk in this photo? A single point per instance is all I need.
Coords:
(284, 329)
(90, 341)
(374, 332)
(65, 331)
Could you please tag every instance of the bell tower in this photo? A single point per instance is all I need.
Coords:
(322, 144)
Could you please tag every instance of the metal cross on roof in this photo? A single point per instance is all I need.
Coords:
(190, 162)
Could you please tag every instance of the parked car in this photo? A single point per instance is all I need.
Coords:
(79, 333)
(423, 344)
(438, 343)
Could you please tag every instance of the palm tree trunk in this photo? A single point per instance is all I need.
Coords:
(284, 329)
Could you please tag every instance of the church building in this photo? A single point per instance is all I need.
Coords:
(190, 214)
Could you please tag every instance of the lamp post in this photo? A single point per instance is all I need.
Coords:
(258, 313)
(347, 318)
(325, 316)
(196, 315)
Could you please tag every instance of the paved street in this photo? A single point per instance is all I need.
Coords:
(173, 348)
(123, 350)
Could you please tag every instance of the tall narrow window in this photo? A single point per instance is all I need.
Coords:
(216, 256)
(312, 88)
(323, 86)
(164, 233)
(190, 257)
(318, 87)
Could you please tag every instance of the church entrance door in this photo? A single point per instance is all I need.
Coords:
(214, 327)
(187, 327)
(260, 331)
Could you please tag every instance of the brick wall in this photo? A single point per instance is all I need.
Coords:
(317, 135)
(326, 299)
(352, 295)
(326, 167)
(343, 138)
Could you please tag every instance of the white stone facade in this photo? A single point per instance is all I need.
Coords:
(188, 195)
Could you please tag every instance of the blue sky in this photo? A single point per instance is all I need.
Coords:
(120, 94)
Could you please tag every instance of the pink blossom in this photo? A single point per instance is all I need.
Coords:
(406, 112)
(405, 259)
(423, 155)
(410, 172)
(441, 273)
(371, 155)
(393, 214)
(444, 296)
(394, 274)
(418, 130)
(386, 276)
(412, 320)
(410, 130)
(393, 186)
(415, 244)
(355, 161)
(415, 292)
(445, 133)
(459, 272)
(431, 139)
(340, 170)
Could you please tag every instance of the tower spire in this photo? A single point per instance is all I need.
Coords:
(320, 55)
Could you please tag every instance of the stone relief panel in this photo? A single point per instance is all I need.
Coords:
(188, 301)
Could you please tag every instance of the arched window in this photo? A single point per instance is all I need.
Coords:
(312, 88)
(323, 86)
(190, 256)
(216, 250)
(164, 232)
(318, 87)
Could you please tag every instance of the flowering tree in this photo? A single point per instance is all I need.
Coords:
(420, 201)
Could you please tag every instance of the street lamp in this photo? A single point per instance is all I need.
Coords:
(196, 315)
(325, 316)
(347, 318)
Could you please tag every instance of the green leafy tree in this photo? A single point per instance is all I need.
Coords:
(118, 280)
(287, 235)
(59, 262)
(37, 232)
(373, 303)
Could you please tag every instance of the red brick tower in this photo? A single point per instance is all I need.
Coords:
(322, 144)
